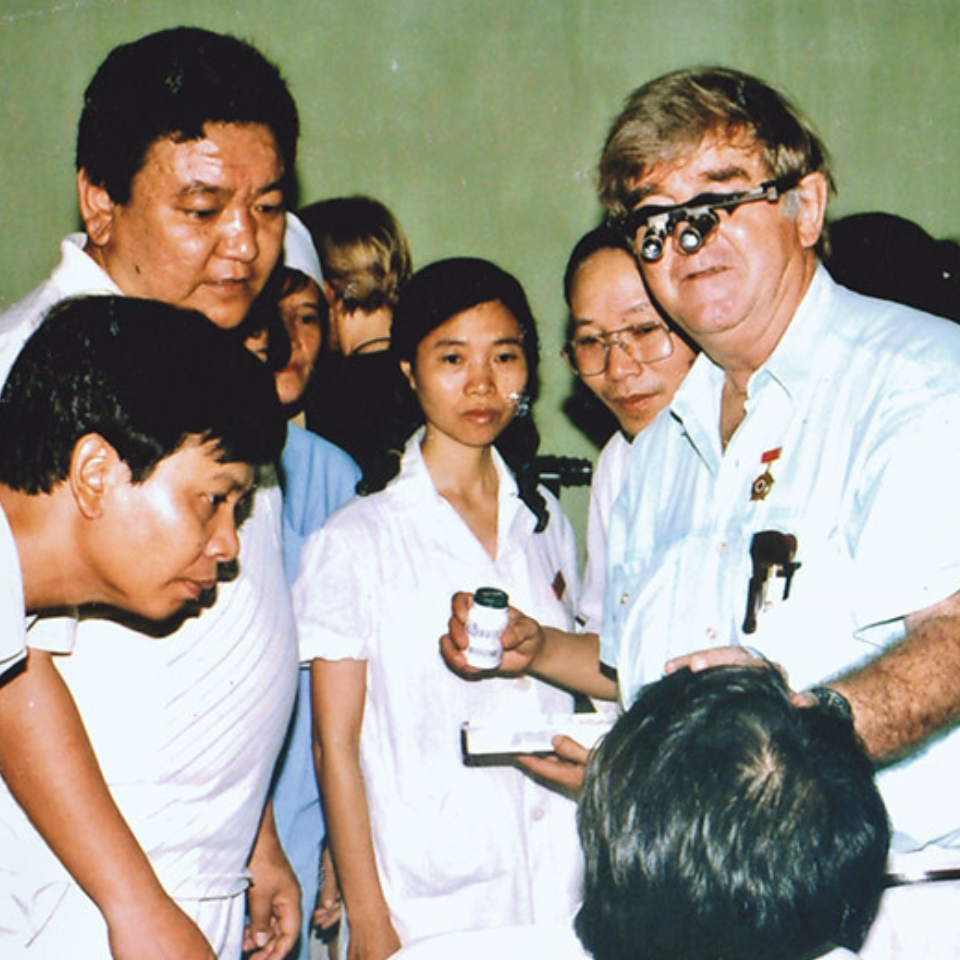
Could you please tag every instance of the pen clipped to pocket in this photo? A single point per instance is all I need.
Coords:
(772, 556)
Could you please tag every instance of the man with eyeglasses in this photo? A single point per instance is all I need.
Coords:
(797, 500)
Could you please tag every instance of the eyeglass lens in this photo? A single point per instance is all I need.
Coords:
(643, 344)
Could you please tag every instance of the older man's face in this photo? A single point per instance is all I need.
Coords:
(738, 283)
(204, 224)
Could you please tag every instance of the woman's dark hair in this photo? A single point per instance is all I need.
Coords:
(264, 315)
(433, 296)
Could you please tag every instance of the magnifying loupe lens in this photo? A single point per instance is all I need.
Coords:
(690, 239)
(652, 247)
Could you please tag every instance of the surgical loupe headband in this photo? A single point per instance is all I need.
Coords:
(698, 215)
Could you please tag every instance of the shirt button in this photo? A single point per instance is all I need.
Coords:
(538, 814)
(711, 634)
(624, 598)
(721, 546)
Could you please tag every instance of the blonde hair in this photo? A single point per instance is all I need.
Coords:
(363, 251)
(674, 113)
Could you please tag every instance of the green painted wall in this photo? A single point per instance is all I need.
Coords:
(479, 121)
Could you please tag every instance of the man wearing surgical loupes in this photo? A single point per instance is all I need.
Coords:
(802, 507)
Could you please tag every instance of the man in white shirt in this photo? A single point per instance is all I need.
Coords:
(803, 509)
(186, 144)
(59, 472)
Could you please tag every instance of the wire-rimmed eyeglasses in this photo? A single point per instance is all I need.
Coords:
(589, 355)
(698, 215)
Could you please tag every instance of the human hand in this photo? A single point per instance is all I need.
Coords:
(373, 939)
(326, 914)
(565, 769)
(273, 905)
(522, 640)
(158, 930)
(731, 656)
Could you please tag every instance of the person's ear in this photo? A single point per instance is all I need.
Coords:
(406, 368)
(813, 190)
(93, 464)
(96, 209)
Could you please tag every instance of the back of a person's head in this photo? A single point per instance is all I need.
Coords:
(363, 250)
(887, 256)
(145, 376)
(720, 820)
(672, 115)
(171, 84)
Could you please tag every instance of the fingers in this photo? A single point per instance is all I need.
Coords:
(564, 770)
(715, 657)
(568, 749)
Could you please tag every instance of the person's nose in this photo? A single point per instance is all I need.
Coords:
(295, 335)
(224, 542)
(480, 379)
(239, 237)
(620, 363)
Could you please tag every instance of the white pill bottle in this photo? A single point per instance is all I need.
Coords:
(487, 620)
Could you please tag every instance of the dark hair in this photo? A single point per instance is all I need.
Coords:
(171, 84)
(362, 248)
(719, 820)
(675, 112)
(887, 256)
(264, 315)
(144, 375)
(434, 295)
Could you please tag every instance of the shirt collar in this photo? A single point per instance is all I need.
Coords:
(789, 365)
(795, 356)
(83, 272)
(415, 486)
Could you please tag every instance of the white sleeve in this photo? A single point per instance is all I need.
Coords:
(333, 594)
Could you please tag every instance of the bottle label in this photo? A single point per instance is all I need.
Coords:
(484, 627)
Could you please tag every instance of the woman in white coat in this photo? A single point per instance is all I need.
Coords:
(423, 844)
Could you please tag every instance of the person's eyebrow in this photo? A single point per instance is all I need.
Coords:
(273, 185)
(202, 188)
(718, 175)
(454, 342)
(232, 483)
(641, 306)
(726, 174)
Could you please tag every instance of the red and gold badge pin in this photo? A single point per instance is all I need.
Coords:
(764, 483)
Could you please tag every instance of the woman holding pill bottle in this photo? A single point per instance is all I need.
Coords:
(424, 844)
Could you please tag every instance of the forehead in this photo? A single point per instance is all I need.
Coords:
(230, 156)
(605, 273)
(601, 265)
(484, 322)
(608, 292)
(308, 292)
(720, 157)
(197, 460)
